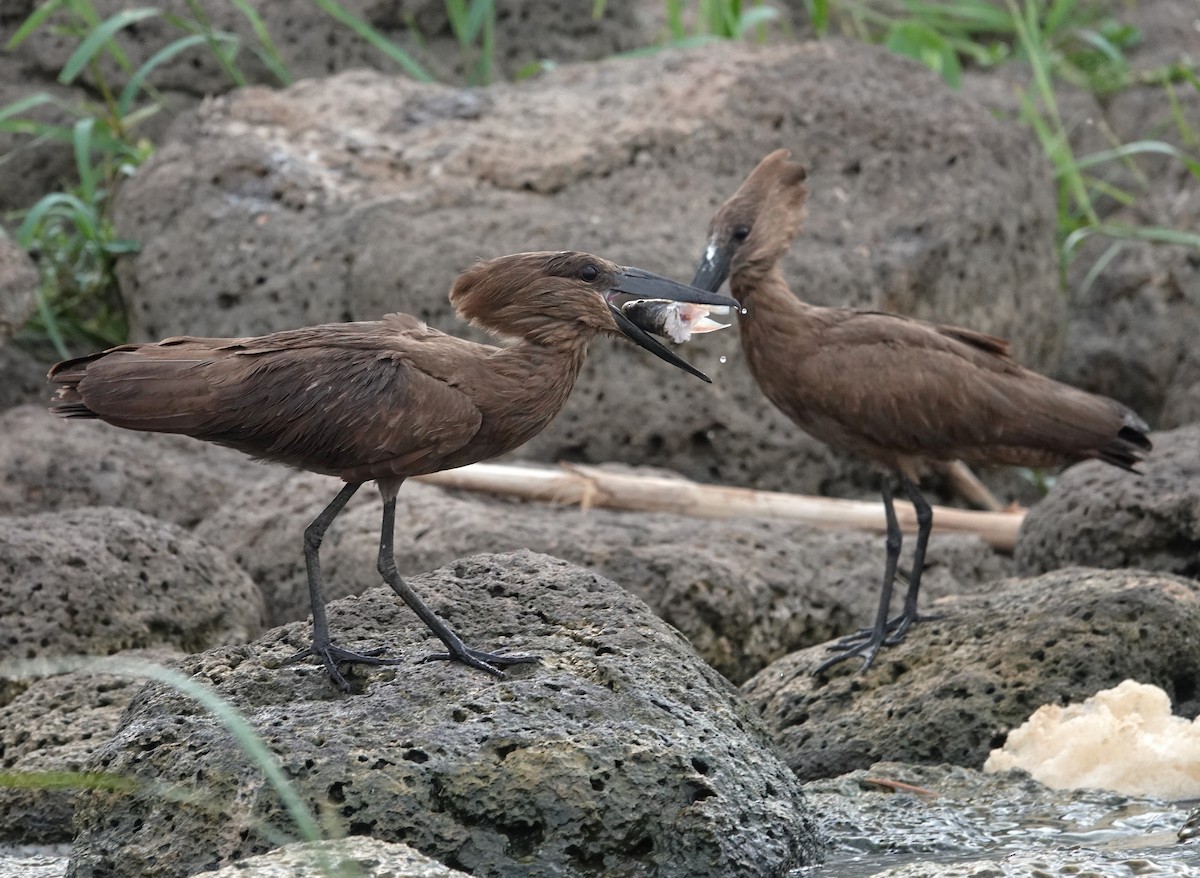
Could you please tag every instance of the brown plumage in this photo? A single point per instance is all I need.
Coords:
(905, 393)
(381, 400)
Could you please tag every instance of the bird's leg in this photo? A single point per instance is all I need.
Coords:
(322, 646)
(868, 646)
(900, 625)
(457, 650)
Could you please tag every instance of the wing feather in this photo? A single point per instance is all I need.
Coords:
(877, 381)
(363, 400)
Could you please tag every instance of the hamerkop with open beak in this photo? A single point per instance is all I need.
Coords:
(381, 400)
(905, 393)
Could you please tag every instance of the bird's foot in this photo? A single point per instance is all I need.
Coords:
(331, 654)
(899, 626)
(896, 628)
(866, 648)
(488, 662)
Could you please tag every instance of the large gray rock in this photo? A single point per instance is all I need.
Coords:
(18, 287)
(48, 733)
(1100, 516)
(619, 752)
(1135, 324)
(357, 856)
(955, 687)
(50, 463)
(268, 209)
(744, 592)
(22, 377)
(96, 581)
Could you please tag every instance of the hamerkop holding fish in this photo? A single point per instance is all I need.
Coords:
(381, 400)
(904, 393)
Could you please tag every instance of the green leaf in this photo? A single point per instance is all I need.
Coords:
(915, 39)
(375, 38)
(25, 104)
(1138, 147)
(81, 139)
(33, 22)
(166, 53)
(1155, 234)
(754, 16)
(96, 40)
(63, 204)
(266, 48)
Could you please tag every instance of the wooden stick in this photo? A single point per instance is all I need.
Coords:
(586, 486)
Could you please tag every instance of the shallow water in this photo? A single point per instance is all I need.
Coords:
(974, 824)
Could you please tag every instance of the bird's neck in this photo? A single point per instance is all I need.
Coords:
(536, 380)
(766, 296)
(775, 320)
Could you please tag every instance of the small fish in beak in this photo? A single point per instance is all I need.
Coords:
(677, 321)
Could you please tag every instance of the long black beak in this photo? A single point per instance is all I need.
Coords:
(646, 285)
(713, 268)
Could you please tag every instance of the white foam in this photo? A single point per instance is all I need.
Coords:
(1123, 739)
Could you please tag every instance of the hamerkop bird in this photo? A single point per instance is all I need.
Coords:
(905, 393)
(381, 400)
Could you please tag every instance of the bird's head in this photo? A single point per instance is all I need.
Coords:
(753, 230)
(566, 299)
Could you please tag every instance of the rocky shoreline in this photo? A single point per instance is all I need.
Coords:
(673, 722)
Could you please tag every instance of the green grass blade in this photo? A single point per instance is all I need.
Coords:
(50, 324)
(481, 13)
(456, 14)
(339, 13)
(1138, 147)
(1098, 267)
(675, 19)
(1153, 234)
(224, 712)
(33, 22)
(25, 104)
(266, 47)
(82, 141)
(96, 40)
(64, 204)
(166, 53)
(755, 16)
(818, 16)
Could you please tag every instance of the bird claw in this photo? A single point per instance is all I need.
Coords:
(330, 654)
(867, 649)
(896, 628)
(488, 662)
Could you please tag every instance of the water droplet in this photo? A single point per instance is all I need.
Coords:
(723, 358)
(744, 311)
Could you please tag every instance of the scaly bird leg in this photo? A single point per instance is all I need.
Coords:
(458, 651)
(855, 644)
(908, 616)
(322, 646)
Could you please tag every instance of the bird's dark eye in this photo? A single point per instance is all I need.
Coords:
(589, 272)
(740, 233)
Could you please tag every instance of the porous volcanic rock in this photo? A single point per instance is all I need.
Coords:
(369, 857)
(18, 287)
(22, 377)
(99, 580)
(49, 463)
(268, 210)
(744, 592)
(52, 729)
(620, 751)
(1100, 516)
(955, 687)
